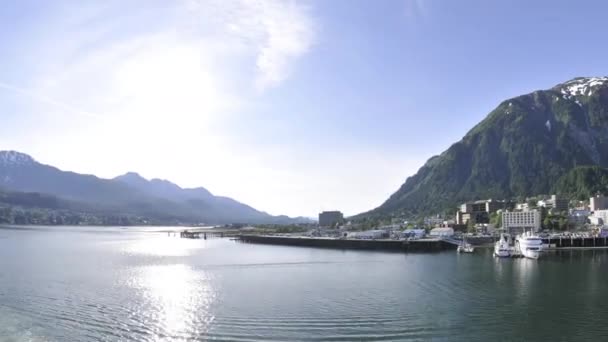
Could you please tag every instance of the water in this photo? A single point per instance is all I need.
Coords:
(109, 284)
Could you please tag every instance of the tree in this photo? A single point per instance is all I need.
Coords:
(470, 226)
(496, 219)
(563, 223)
(548, 223)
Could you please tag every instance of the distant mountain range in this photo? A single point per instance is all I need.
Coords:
(553, 140)
(25, 182)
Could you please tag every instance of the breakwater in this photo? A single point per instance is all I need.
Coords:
(422, 245)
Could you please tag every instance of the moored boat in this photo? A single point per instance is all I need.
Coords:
(465, 247)
(530, 245)
(502, 249)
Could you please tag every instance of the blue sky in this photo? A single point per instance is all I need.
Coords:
(290, 106)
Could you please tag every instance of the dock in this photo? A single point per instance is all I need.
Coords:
(576, 242)
(204, 234)
(421, 245)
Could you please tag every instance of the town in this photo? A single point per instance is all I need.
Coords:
(546, 215)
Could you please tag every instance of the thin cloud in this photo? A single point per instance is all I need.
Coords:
(47, 100)
(289, 33)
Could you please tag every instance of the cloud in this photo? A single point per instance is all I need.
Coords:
(46, 100)
(278, 32)
(289, 33)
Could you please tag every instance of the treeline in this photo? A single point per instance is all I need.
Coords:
(21, 208)
(583, 182)
(39, 216)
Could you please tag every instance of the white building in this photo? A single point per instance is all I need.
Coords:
(521, 220)
(596, 221)
(598, 203)
(599, 217)
(442, 232)
(413, 233)
(368, 234)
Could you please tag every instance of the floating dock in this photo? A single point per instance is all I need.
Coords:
(422, 245)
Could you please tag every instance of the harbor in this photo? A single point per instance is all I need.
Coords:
(419, 245)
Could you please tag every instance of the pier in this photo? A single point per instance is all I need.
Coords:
(422, 245)
(576, 242)
(208, 233)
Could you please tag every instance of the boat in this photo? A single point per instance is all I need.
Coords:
(465, 247)
(502, 248)
(529, 244)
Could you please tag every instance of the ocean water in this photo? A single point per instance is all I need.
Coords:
(138, 284)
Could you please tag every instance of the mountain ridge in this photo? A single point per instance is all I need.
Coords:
(520, 148)
(128, 194)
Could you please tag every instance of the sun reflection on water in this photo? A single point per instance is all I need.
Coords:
(162, 245)
(178, 301)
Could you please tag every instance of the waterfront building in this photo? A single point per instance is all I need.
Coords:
(441, 232)
(596, 221)
(413, 233)
(519, 221)
(369, 234)
(330, 218)
(599, 217)
(598, 203)
(479, 211)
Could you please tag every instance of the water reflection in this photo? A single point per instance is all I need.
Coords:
(177, 301)
(163, 245)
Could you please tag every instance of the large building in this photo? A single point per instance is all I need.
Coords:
(555, 203)
(330, 218)
(479, 211)
(598, 203)
(560, 204)
(518, 221)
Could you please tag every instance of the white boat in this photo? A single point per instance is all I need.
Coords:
(529, 244)
(465, 247)
(502, 249)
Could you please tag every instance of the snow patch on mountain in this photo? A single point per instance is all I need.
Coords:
(13, 158)
(582, 86)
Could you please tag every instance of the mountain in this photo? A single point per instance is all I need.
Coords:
(162, 188)
(522, 148)
(216, 208)
(130, 194)
(583, 182)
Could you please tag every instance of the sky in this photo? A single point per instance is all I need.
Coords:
(292, 107)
